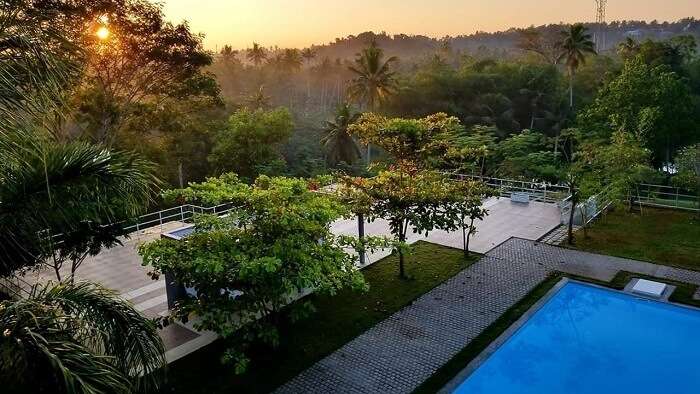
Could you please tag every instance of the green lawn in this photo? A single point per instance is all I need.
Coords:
(338, 320)
(662, 236)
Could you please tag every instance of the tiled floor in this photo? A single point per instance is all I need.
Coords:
(505, 219)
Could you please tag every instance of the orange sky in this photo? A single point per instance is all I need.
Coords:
(300, 23)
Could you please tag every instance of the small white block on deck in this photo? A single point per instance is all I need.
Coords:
(649, 288)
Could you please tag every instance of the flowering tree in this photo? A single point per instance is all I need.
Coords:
(419, 200)
(245, 268)
(410, 194)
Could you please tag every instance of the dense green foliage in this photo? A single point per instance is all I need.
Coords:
(249, 145)
(78, 338)
(411, 194)
(274, 245)
(651, 102)
(51, 187)
(337, 320)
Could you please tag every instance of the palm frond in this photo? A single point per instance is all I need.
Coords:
(79, 339)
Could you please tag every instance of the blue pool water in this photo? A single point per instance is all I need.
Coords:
(590, 340)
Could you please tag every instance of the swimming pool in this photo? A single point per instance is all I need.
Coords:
(586, 339)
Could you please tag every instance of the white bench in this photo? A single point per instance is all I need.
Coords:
(520, 197)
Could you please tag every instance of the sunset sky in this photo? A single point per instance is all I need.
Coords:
(300, 23)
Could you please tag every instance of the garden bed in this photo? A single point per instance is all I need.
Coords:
(338, 320)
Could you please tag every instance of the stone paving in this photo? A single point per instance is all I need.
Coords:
(404, 350)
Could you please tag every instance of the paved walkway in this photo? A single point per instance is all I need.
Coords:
(404, 350)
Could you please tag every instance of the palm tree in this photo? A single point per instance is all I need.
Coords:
(256, 54)
(576, 43)
(37, 65)
(308, 54)
(228, 54)
(50, 187)
(292, 59)
(78, 338)
(374, 81)
(628, 48)
(76, 190)
(339, 144)
(259, 99)
(64, 338)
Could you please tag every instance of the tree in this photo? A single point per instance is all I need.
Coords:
(411, 198)
(52, 188)
(339, 144)
(38, 63)
(575, 44)
(292, 60)
(308, 54)
(628, 48)
(653, 103)
(75, 191)
(687, 164)
(410, 194)
(259, 99)
(144, 59)
(528, 155)
(274, 245)
(256, 54)
(229, 54)
(78, 338)
(251, 140)
(605, 174)
(543, 44)
(374, 80)
(409, 141)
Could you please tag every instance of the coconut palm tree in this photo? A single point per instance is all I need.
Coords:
(78, 338)
(374, 81)
(228, 54)
(292, 59)
(256, 54)
(75, 189)
(308, 54)
(575, 44)
(628, 48)
(339, 144)
(259, 99)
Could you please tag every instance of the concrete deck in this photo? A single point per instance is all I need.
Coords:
(506, 219)
(120, 268)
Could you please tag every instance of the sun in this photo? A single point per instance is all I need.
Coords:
(102, 33)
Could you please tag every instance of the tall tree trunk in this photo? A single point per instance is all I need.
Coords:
(361, 236)
(402, 240)
(571, 89)
(574, 201)
(465, 246)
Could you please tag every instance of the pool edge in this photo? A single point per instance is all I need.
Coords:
(474, 364)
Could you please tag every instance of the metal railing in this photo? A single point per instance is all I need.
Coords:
(666, 197)
(15, 286)
(538, 191)
(183, 213)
